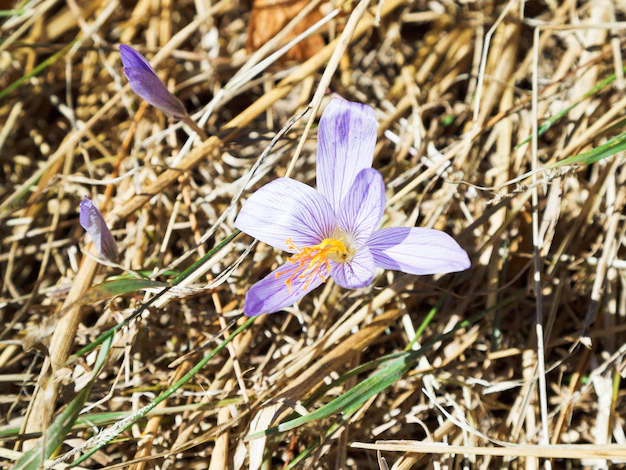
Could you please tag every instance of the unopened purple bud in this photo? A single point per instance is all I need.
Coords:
(145, 82)
(92, 221)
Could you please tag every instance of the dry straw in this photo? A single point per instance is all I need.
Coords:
(500, 124)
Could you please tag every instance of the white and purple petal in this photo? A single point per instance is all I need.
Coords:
(287, 208)
(346, 142)
(271, 294)
(145, 82)
(92, 221)
(417, 251)
(363, 207)
(356, 273)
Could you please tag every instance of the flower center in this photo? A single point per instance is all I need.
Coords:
(309, 261)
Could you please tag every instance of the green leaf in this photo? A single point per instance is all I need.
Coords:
(110, 289)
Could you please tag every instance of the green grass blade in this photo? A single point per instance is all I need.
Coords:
(548, 124)
(357, 395)
(110, 289)
(36, 70)
(615, 145)
(374, 364)
(89, 420)
(377, 382)
(115, 430)
(611, 147)
(16, 12)
(431, 314)
(106, 290)
(62, 425)
(177, 280)
(557, 117)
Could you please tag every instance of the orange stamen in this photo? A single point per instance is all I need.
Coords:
(309, 261)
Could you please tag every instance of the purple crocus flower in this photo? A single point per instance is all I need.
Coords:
(331, 231)
(92, 221)
(145, 82)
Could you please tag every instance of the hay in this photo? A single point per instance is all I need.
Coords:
(458, 89)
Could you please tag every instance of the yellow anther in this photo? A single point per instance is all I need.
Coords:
(309, 261)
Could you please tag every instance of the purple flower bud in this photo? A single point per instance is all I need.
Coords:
(92, 221)
(145, 82)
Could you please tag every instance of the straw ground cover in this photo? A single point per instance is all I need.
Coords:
(501, 124)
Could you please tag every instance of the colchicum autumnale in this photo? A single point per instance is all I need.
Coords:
(331, 231)
(145, 82)
(92, 221)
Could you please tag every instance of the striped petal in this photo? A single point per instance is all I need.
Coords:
(363, 207)
(272, 294)
(417, 251)
(356, 273)
(287, 209)
(346, 142)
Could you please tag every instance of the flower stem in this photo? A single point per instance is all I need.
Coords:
(195, 127)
